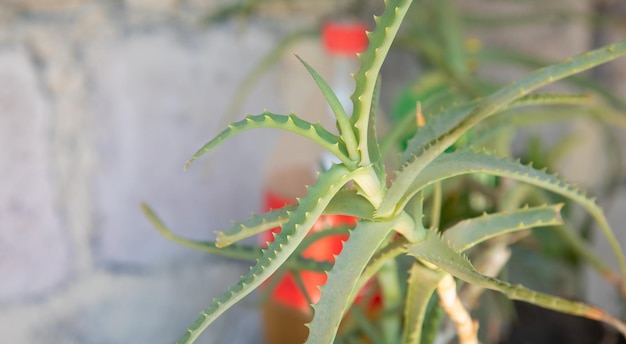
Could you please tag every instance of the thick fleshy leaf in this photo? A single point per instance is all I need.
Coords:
(422, 284)
(470, 232)
(380, 40)
(343, 122)
(341, 286)
(315, 132)
(285, 243)
(435, 251)
(467, 162)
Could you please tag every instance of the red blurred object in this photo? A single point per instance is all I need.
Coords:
(344, 38)
(287, 291)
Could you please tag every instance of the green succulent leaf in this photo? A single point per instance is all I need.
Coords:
(233, 251)
(435, 251)
(241, 252)
(380, 40)
(315, 132)
(375, 154)
(422, 284)
(455, 122)
(285, 243)
(340, 288)
(258, 223)
(467, 162)
(349, 202)
(468, 233)
(345, 202)
(343, 122)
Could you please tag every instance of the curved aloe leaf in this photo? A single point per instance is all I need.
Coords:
(443, 121)
(380, 40)
(462, 236)
(422, 284)
(234, 251)
(491, 54)
(465, 117)
(315, 132)
(345, 202)
(285, 243)
(242, 252)
(543, 77)
(349, 202)
(551, 99)
(256, 224)
(468, 233)
(398, 246)
(467, 161)
(435, 251)
(375, 154)
(340, 287)
(343, 122)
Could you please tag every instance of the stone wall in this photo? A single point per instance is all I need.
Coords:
(101, 103)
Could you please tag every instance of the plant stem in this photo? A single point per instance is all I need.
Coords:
(466, 328)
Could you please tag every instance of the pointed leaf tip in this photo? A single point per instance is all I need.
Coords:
(187, 164)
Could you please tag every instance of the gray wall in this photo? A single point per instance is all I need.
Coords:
(101, 104)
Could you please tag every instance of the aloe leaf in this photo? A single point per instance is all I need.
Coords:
(422, 284)
(464, 235)
(426, 145)
(463, 120)
(435, 251)
(258, 223)
(442, 122)
(391, 292)
(345, 202)
(234, 251)
(467, 161)
(598, 112)
(343, 122)
(349, 202)
(491, 55)
(285, 243)
(567, 235)
(340, 288)
(396, 247)
(315, 236)
(432, 90)
(389, 252)
(380, 40)
(551, 99)
(301, 286)
(366, 325)
(543, 77)
(375, 154)
(468, 233)
(241, 252)
(315, 132)
(435, 315)
(437, 203)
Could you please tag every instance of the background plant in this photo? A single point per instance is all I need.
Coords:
(400, 208)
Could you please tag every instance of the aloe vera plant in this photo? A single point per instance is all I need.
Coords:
(391, 214)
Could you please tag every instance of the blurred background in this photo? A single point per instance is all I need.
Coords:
(103, 101)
